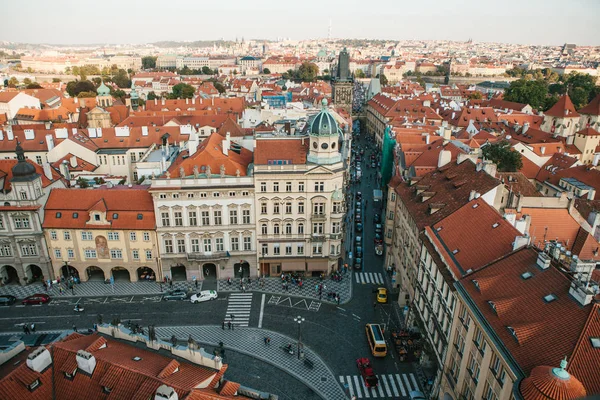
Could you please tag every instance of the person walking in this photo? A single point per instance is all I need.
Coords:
(196, 283)
(229, 325)
(74, 328)
(26, 328)
(33, 327)
(223, 325)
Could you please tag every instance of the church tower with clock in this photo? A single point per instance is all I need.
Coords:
(342, 83)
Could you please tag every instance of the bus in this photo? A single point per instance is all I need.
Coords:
(376, 340)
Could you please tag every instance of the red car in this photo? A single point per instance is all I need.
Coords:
(366, 371)
(38, 298)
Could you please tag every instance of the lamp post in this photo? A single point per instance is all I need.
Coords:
(299, 320)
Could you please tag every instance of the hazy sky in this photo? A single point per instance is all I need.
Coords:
(126, 21)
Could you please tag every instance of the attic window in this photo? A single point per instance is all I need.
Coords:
(550, 298)
(58, 215)
(493, 305)
(495, 225)
(476, 283)
(513, 332)
(526, 275)
(595, 342)
(75, 215)
(136, 358)
(439, 228)
(70, 376)
(106, 389)
(33, 385)
(115, 216)
(96, 217)
(140, 216)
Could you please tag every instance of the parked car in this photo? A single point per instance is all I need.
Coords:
(204, 295)
(373, 165)
(377, 218)
(379, 250)
(358, 263)
(358, 252)
(358, 204)
(378, 239)
(7, 300)
(367, 373)
(358, 218)
(359, 227)
(358, 240)
(381, 295)
(378, 228)
(358, 196)
(38, 298)
(175, 295)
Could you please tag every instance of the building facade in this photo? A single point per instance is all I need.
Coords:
(300, 207)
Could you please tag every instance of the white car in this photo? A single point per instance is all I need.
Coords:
(204, 295)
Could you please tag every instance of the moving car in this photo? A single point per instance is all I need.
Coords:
(7, 300)
(175, 295)
(359, 227)
(204, 295)
(381, 295)
(358, 263)
(367, 373)
(38, 298)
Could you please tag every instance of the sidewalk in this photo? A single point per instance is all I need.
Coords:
(96, 288)
(249, 341)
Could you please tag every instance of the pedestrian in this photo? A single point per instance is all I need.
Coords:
(74, 328)
(338, 299)
(243, 289)
(232, 325)
(26, 329)
(320, 295)
(95, 327)
(266, 338)
(196, 284)
(232, 317)
(33, 327)
(73, 290)
(374, 304)
(171, 283)
(223, 325)
(160, 286)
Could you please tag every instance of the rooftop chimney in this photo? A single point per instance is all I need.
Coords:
(444, 157)
(73, 161)
(226, 144)
(165, 392)
(472, 194)
(47, 170)
(543, 260)
(525, 127)
(50, 141)
(86, 362)
(39, 359)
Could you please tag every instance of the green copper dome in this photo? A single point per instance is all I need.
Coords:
(323, 124)
(103, 90)
(133, 94)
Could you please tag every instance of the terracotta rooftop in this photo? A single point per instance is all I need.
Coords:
(543, 384)
(554, 165)
(69, 208)
(450, 187)
(6, 170)
(563, 108)
(551, 224)
(518, 183)
(593, 107)
(534, 331)
(273, 151)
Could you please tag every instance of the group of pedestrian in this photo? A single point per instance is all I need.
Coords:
(229, 323)
(267, 341)
(168, 281)
(27, 328)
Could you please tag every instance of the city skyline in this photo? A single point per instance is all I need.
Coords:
(122, 23)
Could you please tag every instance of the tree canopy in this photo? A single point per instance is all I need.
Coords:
(307, 72)
(383, 80)
(266, 71)
(182, 91)
(532, 92)
(359, 73)
(121, 78)
(149, 62)
(76, 87)
(506, 159)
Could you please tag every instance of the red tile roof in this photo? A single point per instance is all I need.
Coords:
(6, 170)
(563, 108)
(551, 224)
(292, 150)
(585, 246)
(460, 236)
(543, 384)
(585, 174)
(555, 164)
(128, 203)
(588, 132)
(593, 107)
(585, 359)
(518, 183)
(231, 127)
(544, 331)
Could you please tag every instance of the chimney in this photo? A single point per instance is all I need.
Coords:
(50, 141)
(193, 143)
(427, 139)
(525, 127)
(86, 362)
(472, 194)
(193, 100)
(591, 194)
(162, 101)
(165, 392)
(155, 102)
(566, 112)
(48, 124)
(580, 289)
(444, 157)
(39, 359)
(144, 131)
(47, 170)
(453, 115)
(520, 241)
(226, 144)
(73, 161)
(542, 148)
(64, 169)
(490, 168)
(1, 135)
(427, 103)
(543, 260)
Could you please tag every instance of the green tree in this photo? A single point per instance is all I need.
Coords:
(13, 81)
(118, 93)
(152, 96)
(235, 72)
(82, 183)
(33, 85)
(383, 80)
(581, 88)
(266, 71)
(86, 94)
(207, 71)
(528, 92)
(182, 91)
(475, 96)
(507, 159)
(27, 81)
(56, 80)
(121, 79)
(219, 86)
(359, 73)
(76, 87)
(308, 71)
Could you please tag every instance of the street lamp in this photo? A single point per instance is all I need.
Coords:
(299, 320)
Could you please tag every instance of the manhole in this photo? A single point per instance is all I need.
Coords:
(323, 379)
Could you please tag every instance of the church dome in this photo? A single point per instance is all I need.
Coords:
(22, 169)
(133, 94)
(322, 53)
(323, 124)
(103, 90)
(545, 383)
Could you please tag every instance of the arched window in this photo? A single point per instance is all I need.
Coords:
(288, 229)
(300, 229)
(276, 229)
(263, 228)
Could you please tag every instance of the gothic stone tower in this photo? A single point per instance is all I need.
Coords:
(342, 83)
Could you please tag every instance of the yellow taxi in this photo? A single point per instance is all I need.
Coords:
(382, 295)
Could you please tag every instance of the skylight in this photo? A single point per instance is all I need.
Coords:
(512, 332)
(595, 342)
(475, 205)
(549, 298)
(526, 275)
(455, 251)
(495, 225)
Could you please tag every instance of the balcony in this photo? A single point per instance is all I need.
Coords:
(214, 256)
(317, 237)
(335, 236)
(318, 217)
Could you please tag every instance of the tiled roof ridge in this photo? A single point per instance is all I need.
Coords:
(169, 369)
(594, 313)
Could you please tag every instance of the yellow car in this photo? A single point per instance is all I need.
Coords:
(382, 295)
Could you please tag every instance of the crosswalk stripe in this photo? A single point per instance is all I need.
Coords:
(380, 389)
(393, 385)
(383, 379)
(366, 389)
(414, 381)
(378, 279)
(357, 386)
(350, 386)
(357, 276)
(400, 385)
(407, 383)
(371, 279)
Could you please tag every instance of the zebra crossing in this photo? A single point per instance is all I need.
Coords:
(369, 277)
(239, 305)
(392, 386)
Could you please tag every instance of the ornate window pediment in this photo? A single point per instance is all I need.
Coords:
(164, 208)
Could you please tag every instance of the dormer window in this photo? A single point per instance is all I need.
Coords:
(513, 332)
(476, 283)
(23, 195)
(493, 306)
(106, 389)
(70, 376)
(33, 385)
(96, 217)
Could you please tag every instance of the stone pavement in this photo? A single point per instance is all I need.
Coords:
(96, 288)
(250, 341)
(273, 285)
